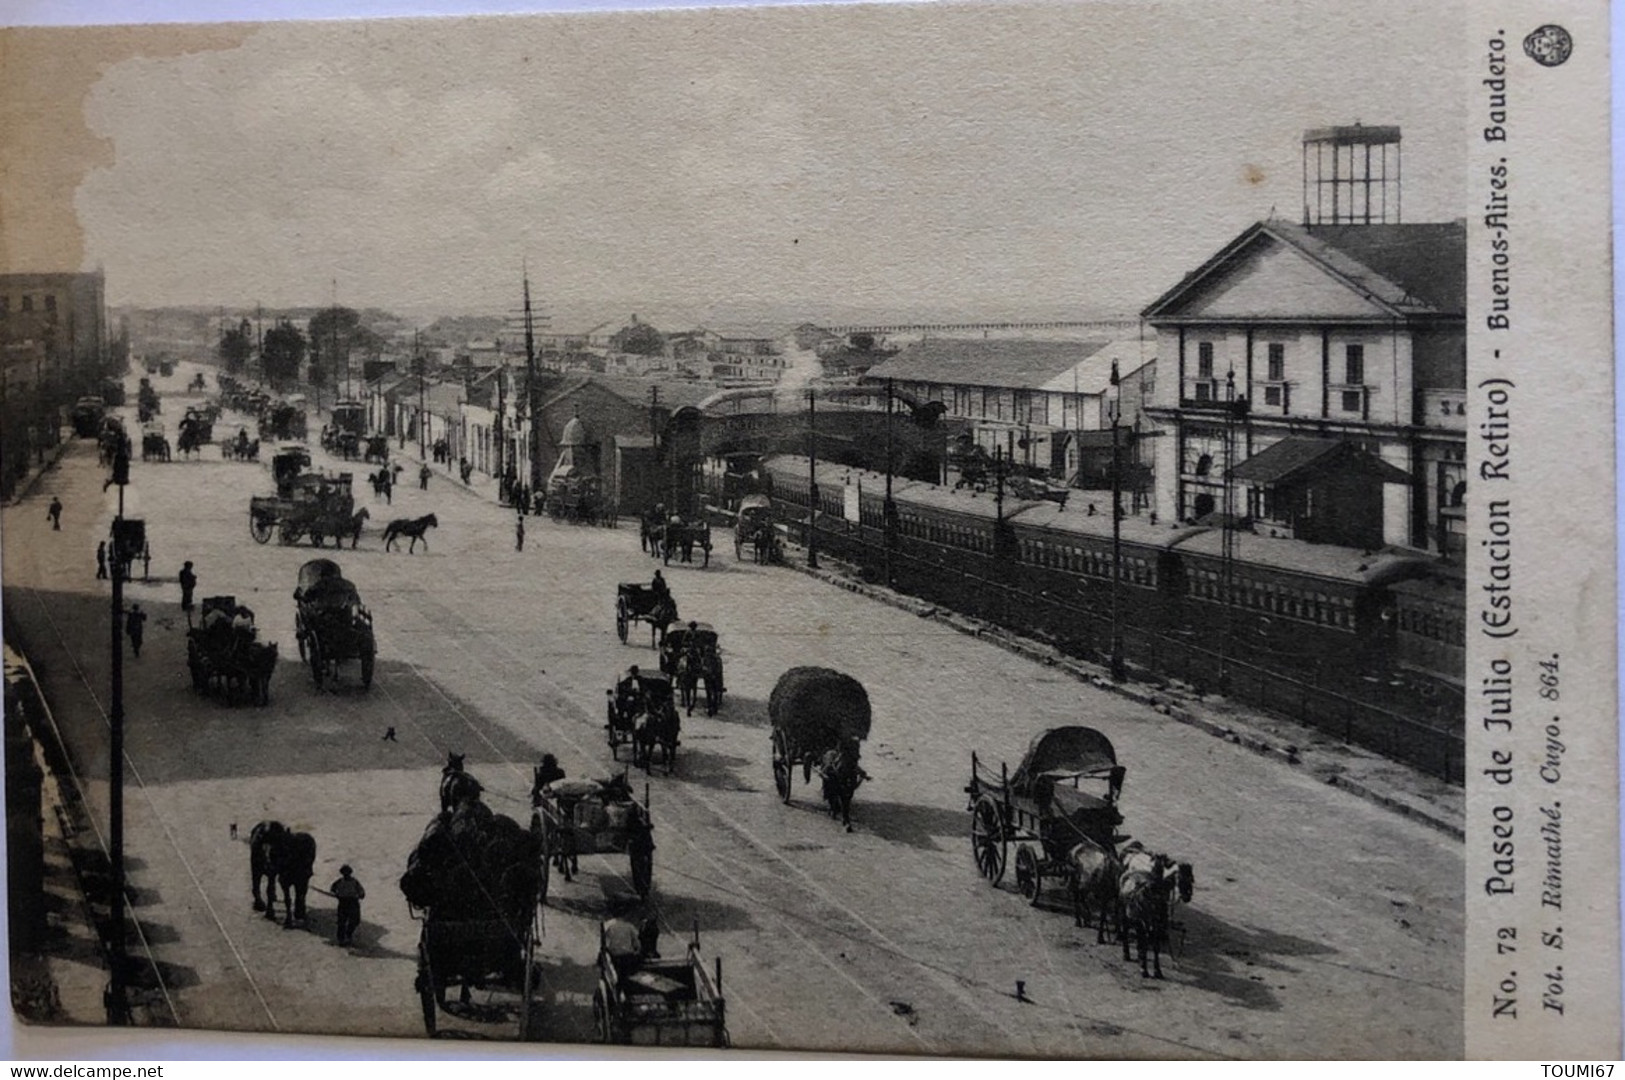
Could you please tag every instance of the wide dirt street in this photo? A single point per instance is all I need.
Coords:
(1321, 926)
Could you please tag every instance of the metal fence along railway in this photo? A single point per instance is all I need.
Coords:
(1083, 631)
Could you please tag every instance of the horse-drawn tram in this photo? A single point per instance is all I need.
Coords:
(651, 1002)
(593, 817)
(1064, 793)
(330, 622)
(819, 717)
(472, 883)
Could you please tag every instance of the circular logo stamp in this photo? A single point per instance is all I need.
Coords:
(1549, 45)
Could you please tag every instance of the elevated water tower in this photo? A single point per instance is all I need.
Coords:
(1351, 176)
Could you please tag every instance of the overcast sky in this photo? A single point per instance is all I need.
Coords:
(921, 160)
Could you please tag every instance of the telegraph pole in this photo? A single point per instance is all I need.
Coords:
(1115, 406)
(889, 508)
(534, 442)
(812, 479)
(423, 378)
(117, 1001)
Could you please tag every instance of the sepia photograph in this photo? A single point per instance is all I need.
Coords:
(923, 529)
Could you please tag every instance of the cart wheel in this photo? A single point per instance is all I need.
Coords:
(366, 670)
(987, 839)
(317, 661)
(781, 766)
(426, 995)
(621, 619)
(259, 528)
(643, 870)
(600, 1016)
(1028, 880)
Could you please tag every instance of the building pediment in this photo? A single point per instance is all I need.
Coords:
(1268, 279)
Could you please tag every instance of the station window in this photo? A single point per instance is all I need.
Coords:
(1204, 360)
(28, 303)
(1351, 400)
(1272, 395)
(1277, 361)
(1354, 365)
(50, 303)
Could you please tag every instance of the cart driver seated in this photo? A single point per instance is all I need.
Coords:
(629, 944)
(215, 618)
(242, 624)
(629, 697)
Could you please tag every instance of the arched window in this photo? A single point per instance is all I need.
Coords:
(1204, 465)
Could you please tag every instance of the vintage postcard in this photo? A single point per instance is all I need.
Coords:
(1024, 530)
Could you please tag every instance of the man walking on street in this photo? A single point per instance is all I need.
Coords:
(349, 893)
(101, 561)
(55, 513)
(188, 583)
(423, 478)
(134, 628)
(519, 532)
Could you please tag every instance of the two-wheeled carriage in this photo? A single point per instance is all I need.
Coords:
(593, 817)
(819, 718)
(223, 652)
(154, 444)
(128, 545)
(637, 602)
(655, 1002)
(642, 712)
(330, 623)
(1065, 790)
(690, 654)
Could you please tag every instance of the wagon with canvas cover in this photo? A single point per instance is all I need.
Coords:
(1065, 790)
(330, 623)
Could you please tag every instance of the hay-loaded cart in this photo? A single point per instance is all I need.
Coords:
(593, 817)
(1066, 789)
(813, 710)
(676, 1002)
(473, 885)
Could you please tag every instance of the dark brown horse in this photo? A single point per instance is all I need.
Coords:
(282, 857)
(457, 786)
(841, 776)
(411, 528)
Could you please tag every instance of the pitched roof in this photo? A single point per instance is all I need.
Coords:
(1411, 269)
(985, 362)
(1295, 455)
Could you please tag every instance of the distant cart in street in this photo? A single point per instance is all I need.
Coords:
(330, 623)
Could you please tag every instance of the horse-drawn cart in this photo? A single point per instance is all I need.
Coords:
(682, 536)
(652, 1002)
(314, 506)
(593, 817)
(1065, 791)
(637, 602)
(819, 716)
(474, 883)
(642, 712)
(755, 529)
(222, 652)
(330, 622)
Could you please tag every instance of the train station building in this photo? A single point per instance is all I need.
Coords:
(1316, 380)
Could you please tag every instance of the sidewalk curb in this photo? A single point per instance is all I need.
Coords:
(26, 488)
(1085, 672)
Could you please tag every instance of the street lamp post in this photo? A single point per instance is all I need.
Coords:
(888, 512)
(117, 1003)
(1114, 408)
